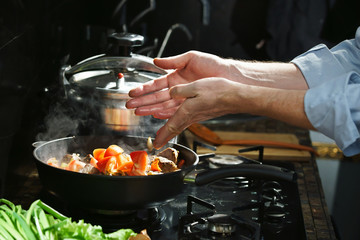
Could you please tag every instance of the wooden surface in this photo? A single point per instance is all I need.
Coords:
(270, 153)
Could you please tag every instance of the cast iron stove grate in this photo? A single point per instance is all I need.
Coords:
(211, 225)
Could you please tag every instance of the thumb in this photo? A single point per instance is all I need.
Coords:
(175, 62)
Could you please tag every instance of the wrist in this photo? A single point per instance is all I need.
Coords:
(280, 104)
(243, 98)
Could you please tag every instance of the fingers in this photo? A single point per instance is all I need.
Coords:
(149, 89)
(159, 110)
(174, 62)
(147, 104)
(165, 134)
(151, 86)
(166, 114)
(200, 104)
(180, 119)
(146, 100)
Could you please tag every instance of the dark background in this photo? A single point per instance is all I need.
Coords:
(38, 37)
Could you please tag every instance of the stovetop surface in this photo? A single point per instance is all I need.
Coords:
(244, 200)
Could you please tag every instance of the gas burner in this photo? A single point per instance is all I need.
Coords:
(224, 160)
(222, 224)
(218, 226)
(210, 225)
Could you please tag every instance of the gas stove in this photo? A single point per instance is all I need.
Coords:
(231, 208)
(236, 208)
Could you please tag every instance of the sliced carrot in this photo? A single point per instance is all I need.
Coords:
(113, 150)
(98, 153)
(136, 155)
(140, 159)
(52, 164)
(155, 165)
(94, 162)
(111, 165)
(121, 159)
(126, 166)
(102, 163)
(105, 159)
(181, 163)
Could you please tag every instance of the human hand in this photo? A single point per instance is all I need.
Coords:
(201, 100)
(152, 97)
(213, 97)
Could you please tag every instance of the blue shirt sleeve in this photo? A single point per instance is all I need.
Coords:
(332, 103)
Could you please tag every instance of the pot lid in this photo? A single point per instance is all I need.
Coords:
(102, 73)
(116, 72)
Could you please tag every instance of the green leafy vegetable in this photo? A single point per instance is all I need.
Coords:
(41, 222)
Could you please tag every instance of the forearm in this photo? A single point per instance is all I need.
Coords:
(280, 104)
(267, 74)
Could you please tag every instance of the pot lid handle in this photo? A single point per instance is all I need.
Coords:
(122, 43)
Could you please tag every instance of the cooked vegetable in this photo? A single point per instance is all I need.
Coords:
(141, 163)
(114, 161)
(113, 150)
(181, 163)
(98, 153)
(41, 222)
(75, 165)
(155, 165)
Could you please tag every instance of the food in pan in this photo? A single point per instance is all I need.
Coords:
(115, 162)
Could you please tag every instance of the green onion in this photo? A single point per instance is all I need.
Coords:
(30, 212)
(42, 222)
(5, 233)
(11, 230)
(51, 211)
(7, 202)
(25, 227)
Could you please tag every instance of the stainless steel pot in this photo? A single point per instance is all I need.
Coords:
(102, 83)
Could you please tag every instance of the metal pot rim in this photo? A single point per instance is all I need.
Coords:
(103, 62)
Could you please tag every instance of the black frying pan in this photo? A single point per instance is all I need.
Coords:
(103, 192)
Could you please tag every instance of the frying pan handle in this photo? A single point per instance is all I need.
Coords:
(259, 171)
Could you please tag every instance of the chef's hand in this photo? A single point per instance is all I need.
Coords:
(213, 97)
(201, 100)
(153, 96)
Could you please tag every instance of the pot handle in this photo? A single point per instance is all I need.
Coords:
(246, 170)
(38, 143)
